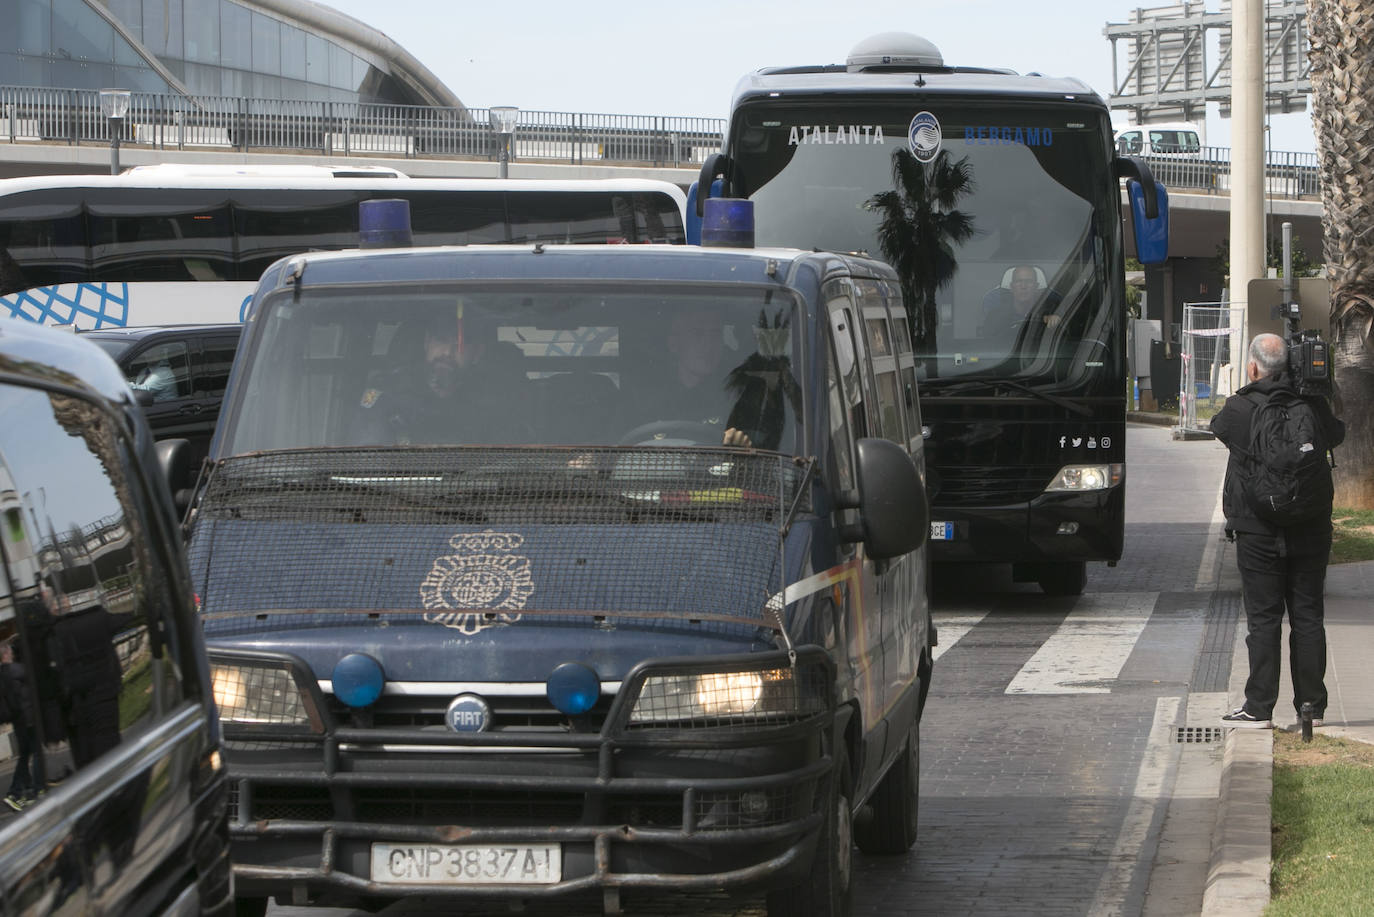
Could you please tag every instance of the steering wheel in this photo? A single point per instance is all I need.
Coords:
(672, 432)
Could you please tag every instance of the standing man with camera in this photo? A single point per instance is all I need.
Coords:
(1277, 500)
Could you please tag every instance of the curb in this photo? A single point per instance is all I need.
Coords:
(1238, 870)
(1158, 420)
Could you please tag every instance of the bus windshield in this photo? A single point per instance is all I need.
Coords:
(998, 220)
(541, 365)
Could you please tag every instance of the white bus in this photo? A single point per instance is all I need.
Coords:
(187, 244)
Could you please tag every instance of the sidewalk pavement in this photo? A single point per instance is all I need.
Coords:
(1238, 875)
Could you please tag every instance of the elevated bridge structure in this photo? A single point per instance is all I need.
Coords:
(54, 131)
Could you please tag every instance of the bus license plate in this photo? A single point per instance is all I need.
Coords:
(467, 864)
(942, 531)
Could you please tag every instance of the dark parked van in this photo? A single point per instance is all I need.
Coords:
(178, 374)
(535, 570)
(115, 795)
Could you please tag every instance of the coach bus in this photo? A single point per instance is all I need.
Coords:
(140, 248)
(997, 198)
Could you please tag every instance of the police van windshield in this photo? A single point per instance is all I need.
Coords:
(538, 365)
(996, 218)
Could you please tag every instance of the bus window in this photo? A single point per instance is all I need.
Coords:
(176, 238)
(269, 226)
(435, 221)
(42, 241)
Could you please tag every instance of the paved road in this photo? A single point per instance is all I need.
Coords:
(1069, 748)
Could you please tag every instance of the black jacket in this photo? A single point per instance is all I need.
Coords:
(1232, 427)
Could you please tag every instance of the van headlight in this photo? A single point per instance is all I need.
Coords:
(1086, 477)
(725, 698)
(260, 694)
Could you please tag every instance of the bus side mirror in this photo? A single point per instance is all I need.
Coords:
(1149, 209)
(1151, 234)
(893, 510)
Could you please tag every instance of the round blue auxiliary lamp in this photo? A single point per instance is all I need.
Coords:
(573, 688)
(728, 222)
(358, 680)
(384, 223)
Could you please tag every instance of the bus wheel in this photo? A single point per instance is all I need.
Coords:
(826, 891)
(1067, 578)
(895, 804)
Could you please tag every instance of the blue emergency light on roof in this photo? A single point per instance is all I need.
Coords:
(729, 221)
(383, 223)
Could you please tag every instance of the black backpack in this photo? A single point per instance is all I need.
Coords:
(1288, 480)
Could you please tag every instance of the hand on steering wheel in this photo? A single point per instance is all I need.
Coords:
(683, 432)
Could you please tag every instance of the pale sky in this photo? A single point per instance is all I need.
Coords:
(638, 58)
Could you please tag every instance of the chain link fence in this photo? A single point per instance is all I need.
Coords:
(1212, 348)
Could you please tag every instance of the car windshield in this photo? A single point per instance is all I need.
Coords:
(543, 365)
(115, 347)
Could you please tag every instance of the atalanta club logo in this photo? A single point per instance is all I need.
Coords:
(924, 136)
(482, 574)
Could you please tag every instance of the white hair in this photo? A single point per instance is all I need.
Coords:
(1270, 353)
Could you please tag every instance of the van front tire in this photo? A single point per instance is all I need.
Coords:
(828, 888)
(895, 804)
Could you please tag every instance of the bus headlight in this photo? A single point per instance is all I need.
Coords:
(1080, 478)
(259, 695)
(728, 697)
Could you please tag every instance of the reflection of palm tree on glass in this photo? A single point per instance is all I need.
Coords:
(920, 229)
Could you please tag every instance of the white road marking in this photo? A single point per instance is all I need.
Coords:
(1135, 829)
(950, 627)
(1088, 650)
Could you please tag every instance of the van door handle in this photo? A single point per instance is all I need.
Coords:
(191, 409)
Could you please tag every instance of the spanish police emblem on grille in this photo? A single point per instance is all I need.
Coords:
(923, 136)
(482, 574)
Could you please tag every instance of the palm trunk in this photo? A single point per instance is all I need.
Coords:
(1341, 33)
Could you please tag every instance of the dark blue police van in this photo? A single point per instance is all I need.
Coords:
(529, 571)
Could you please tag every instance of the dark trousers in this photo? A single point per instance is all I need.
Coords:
(1275, 579)
(22, 785)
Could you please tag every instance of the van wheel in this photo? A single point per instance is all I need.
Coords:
(250, 907)
(827, 890)
(1067, 578)
(895, 804)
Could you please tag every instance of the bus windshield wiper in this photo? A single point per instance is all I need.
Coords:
(1064, 403)
(949, 386)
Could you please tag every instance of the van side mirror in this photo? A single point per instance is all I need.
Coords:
(174, 458)
(893, 511)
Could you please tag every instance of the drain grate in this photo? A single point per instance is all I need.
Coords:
(1200, 735)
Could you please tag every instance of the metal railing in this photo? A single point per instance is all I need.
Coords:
(1286, 175)
(167, 121)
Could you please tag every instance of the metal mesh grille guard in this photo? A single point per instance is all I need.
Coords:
(494, 534)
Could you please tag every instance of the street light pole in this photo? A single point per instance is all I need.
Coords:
(503, 119)
(114, 105)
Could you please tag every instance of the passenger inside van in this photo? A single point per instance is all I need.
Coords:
(445, 368)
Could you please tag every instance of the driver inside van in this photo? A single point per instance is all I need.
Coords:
(463, 386)
(697, 386)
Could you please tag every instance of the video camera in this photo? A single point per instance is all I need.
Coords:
(1308, 356)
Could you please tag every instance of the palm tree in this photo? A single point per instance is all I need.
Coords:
(920, 229)
(1341, 34)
